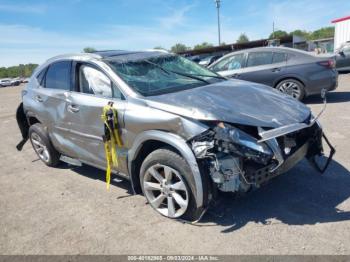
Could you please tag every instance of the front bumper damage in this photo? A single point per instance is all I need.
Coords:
(309, 149)
(239, 157)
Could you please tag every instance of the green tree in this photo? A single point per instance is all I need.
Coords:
(89, 50)
(278, 34)
(243, 38)
(202, 45)
(324, 32)
(17, 71)
(301, 33)
(178, 48)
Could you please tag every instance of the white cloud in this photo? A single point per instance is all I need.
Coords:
(299, 14)
(177, 18)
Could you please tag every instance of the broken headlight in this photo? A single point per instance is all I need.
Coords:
(232, 140)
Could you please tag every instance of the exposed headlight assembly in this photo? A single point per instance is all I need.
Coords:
(230, 140)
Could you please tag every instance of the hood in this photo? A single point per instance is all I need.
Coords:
(234, 101)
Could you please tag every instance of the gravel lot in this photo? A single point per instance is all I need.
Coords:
(68, 210)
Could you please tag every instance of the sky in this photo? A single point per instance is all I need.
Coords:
(35, 30)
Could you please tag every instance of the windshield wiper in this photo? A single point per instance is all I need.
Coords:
(214, 76)
(178, 73)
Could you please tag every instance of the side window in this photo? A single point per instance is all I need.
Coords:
(230, 63)
(259, 58)
(279, 58)
(58, 76)
(93, 81)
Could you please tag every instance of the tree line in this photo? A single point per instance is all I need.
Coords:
(17, 71)
(324, 32)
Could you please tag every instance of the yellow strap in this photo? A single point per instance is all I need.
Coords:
(108, 169)
(110, 146)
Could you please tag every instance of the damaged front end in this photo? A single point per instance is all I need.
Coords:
(238, 157)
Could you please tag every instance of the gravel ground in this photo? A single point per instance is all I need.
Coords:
(68, 210)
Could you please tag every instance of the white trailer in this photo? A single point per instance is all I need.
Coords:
(342, 31)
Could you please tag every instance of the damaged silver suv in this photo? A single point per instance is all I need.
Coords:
(186, 132)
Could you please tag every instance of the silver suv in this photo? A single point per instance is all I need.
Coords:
(186, 132)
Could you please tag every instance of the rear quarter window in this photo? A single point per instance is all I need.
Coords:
(58, 76)
(41, 75)
(279, 58)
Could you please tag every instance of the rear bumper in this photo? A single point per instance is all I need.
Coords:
(327, 80)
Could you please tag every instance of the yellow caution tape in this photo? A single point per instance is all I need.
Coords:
(113, 141)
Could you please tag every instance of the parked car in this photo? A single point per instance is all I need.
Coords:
(5, 82)
(343, 58)
(15, 81)
(290, 71)
(186, 132)
(195, 58)
(206, 61)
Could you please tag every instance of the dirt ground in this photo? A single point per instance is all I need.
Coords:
(68, 210)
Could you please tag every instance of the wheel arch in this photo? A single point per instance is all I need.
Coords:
(151, 140)
(285, 77)
(24, 121)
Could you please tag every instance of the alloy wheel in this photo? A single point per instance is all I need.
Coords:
(291, 88)
(40, 147)
(166, 190)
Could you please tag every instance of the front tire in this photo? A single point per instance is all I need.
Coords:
(42, 145)
(292, 87)
(166, 180)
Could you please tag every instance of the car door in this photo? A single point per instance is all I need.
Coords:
(48, 102)
(230, 66)
(343, 58)
(260, 68)
(93, 90)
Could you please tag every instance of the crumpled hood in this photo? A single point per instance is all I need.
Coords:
(234, 101)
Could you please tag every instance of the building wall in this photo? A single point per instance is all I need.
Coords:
(342, 33)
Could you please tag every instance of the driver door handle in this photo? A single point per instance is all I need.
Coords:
(235, 75)
(73, 108)
(277, 69)
(39, 98)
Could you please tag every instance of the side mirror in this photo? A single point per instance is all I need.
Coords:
(341, 53)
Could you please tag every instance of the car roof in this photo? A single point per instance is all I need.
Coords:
(129, 56)
(110, 55)
(265, 48)
(106, 55)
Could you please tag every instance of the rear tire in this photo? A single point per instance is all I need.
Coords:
(167, 183)
(292, 87)
(42, 145)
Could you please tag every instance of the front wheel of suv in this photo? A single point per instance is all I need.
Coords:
(42, 145)
(166, 181)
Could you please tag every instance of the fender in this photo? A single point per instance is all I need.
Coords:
(176, 142)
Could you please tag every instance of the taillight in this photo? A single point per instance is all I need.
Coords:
(328, 63)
